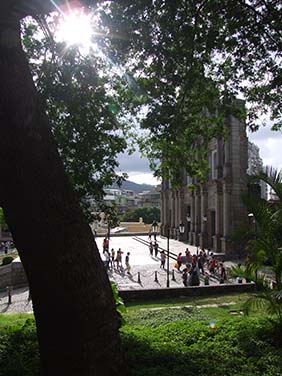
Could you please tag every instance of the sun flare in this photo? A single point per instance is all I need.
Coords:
(75, 28)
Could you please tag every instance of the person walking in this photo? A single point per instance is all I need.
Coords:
(119, 259)
(185, 277)
(127, 265)
(151, 248)
(223, 276)
(163, 258)
(201, 262)
(187, 255)
(113, 253)
(179, 261)
(156, 247)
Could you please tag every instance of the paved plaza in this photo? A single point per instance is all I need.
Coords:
(145, 270)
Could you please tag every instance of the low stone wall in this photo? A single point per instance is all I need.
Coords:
(12, 275)
(185, 292)
(18, 275)
(5, 276)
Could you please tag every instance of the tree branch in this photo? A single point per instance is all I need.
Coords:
(19, 9)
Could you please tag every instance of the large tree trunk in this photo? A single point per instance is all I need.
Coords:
(73, 305)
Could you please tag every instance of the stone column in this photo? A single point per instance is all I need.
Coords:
(204, 209)
(197, 216)
(218, 218)
(193, 219)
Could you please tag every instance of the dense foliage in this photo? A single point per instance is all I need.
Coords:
(149, 214)
(188, 60)
(78, 94)
(169, 342)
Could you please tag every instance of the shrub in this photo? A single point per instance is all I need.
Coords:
(7, 260)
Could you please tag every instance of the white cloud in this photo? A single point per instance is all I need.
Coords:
(270, 145)
(137, 168)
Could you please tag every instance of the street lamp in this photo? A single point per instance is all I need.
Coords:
(181, 229)
(252, 218)
(205, 219)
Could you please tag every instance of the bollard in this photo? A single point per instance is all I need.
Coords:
(139, 279)
(173, 276)
(156, 276)
(9, 291)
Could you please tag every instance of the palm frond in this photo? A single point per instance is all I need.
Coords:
(273, 178)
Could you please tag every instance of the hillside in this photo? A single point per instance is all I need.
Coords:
(137, 188)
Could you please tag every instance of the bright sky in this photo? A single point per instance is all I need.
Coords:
(269, 143)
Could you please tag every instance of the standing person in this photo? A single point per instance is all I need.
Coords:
(187, 255)
(107, 260)
(179, 261)
(156, 246)
(119, 259)
(201, 261)
(163, 257)
(194, 260)
(223, 276)
(212, 264)
(151, 248)
(185, 277)
(105, 245)
(113, 258)
(127, 265)
(194, 279)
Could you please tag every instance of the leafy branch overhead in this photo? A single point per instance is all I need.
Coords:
(189, 60)
(84, 116)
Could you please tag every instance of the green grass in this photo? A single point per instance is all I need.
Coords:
(179, 337)
(13, 320)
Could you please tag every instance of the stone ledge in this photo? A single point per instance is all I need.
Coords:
(181, 292)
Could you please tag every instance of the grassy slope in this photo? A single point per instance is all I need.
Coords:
(168, 342)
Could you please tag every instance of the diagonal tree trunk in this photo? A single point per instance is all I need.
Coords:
(73, 305)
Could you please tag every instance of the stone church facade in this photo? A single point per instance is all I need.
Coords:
(211, 211)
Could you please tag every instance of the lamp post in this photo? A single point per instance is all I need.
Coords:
(181, 229)
(188, 219)
(254, 223)
(205, 219)
(252, 217)
(167, 249)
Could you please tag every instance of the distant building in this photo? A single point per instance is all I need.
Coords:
(150, 198)
(126, 199)
(212, 210)
(255, 165)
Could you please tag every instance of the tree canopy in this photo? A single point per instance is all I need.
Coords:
(84, 113)
(149, 214)
(189, 59)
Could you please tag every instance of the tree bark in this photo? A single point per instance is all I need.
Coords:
(75, 313)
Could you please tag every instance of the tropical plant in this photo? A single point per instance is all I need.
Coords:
(264, 246)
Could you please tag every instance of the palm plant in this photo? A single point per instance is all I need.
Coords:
(265, 245)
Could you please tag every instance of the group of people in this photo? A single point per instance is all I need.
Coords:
(154, 248)
(5, 246)
(197, 264)
(113, 259)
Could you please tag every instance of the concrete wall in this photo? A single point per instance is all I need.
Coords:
(167, 293)
(12, 275)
